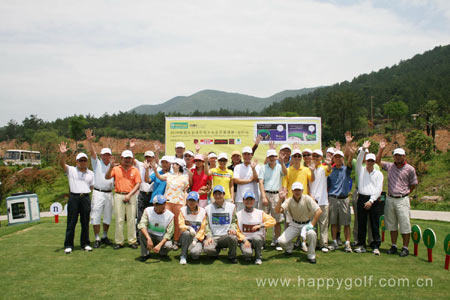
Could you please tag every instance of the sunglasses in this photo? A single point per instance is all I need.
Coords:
(223, 160)
(307, 154)
(297, 156)
(315, 155)
(82, 160)
(370, 160)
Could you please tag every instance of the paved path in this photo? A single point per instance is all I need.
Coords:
(415, 214)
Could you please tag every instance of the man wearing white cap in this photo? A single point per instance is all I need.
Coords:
(270, 179)
(179, 150)
(370, 186)
(81, 181)
(305, 213)
(251, 225)
(297, 173)
(102, 195)
(402, 180)
(319, 193)
(286, 151)
(245, 175)
(189, 160)
(127, 181)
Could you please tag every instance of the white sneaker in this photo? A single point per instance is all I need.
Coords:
(258, 261)
(182, 260)
(273, 244)
(348, 248)
(324, 249)
(304, 247)
(87, 248)
(376, 251)
(68, 250)
(278, 248)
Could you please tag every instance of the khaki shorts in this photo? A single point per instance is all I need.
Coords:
(397, 213)
(340, 213)
(270, 208)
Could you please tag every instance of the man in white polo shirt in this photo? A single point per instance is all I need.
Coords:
(81, 181)
(319, 193)
(305, 213)
(145, 189)
(102, 195)
(245, 175)
(270, 179)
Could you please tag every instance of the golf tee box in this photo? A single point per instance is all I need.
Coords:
(429, 239)
(22, 208)
(56, 208)
(416, 235)
(447, 251)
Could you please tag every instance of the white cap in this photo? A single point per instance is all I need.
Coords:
(127, 153)
(189, 152)
(271, 152)
(307, 150)
(180, 145)
(247, 150)
(166, 158)
(330, 150)
(179, 162)
(296, 151)
(399, 151)
(285, 146)
(81, 155)
(149, 153)
(212, 155)
(371, 156)
(222, 156)
(318, 152)
(339, 152)
(106, 151)
(297, 186)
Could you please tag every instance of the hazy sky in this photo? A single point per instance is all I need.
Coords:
(59, 58)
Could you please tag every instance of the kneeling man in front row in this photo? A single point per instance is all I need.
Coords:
(221, 226)
(252, 223)
(302, 208)
(156, 227)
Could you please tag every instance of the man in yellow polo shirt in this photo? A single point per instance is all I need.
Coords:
(298, 173)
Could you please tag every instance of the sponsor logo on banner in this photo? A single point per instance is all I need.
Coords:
(206, 142)
(179, 125)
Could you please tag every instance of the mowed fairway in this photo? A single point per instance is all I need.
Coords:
(33, 265)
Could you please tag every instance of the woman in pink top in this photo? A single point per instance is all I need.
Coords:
(199, 181)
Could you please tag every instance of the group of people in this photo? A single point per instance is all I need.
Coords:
(200, 204)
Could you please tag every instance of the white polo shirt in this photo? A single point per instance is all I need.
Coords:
(100, 169)
(318, 188)
(242, 171)
(144, 187)
(80, 182)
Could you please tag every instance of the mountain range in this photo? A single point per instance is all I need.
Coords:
(208, 100)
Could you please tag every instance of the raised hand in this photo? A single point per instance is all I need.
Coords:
(258, 139)
(132, 143)
(366, 144)
(295, 145)
(348, 137)
(146, 165)
(382, 144)
(254, 163)
(337, 146)
(197, 148)
(272, 145)
(157, 147)
(281, 157)
(328, 160)
(63, 147)
(89, 135)
(282, 194)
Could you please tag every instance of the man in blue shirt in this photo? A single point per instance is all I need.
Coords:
(339, 203)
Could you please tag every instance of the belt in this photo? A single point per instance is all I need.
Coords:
(122, 193)
(339, 197)
(301, 223)
(80, 194)
(103, 191)
(272, 192)
(399, 196)
(147, 193)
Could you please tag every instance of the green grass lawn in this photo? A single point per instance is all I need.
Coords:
(34, 266)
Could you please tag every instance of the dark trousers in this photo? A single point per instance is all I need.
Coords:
(144, 201)
(373, 215)
(78, 205)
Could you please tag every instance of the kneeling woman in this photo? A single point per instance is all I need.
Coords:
(192, 223)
